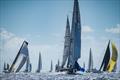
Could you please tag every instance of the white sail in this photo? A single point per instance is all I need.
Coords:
(20, 58)
(90, 62)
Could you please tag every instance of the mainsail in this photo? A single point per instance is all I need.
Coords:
(39, 63)
(51, 67)
(90, 63)
(106, 59)
(20, 58)
(66, 43)
(75, 46)
(113, 59)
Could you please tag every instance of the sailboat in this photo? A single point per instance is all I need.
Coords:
(39, 64)
(57, 67)
(90, 63)
(105, 59)
(6, 68)
(20, 59)
(51, 67)
(108, 64)
(72, 45)
(113, 61)
(66, 44)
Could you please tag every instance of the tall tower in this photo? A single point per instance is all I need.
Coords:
(75, 47)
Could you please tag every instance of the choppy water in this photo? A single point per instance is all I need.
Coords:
(59, 76)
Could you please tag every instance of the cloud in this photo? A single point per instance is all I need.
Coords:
(87, 29)
(115, 30)
(4, 34)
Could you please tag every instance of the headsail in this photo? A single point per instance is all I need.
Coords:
(106, 59)
(75, 49)
(39, 63)
(51, 67)
(113, 59)
(20, 58)
(66, 43)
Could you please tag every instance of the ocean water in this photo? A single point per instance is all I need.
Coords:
(59, 76)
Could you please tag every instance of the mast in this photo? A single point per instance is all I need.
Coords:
(24, 54)
(106, 58)
(39, 63)
(66, 43)
(75, 48)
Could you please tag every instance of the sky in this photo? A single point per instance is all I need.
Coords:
(42, 23)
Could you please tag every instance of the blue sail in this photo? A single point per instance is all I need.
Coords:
(75, 52)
